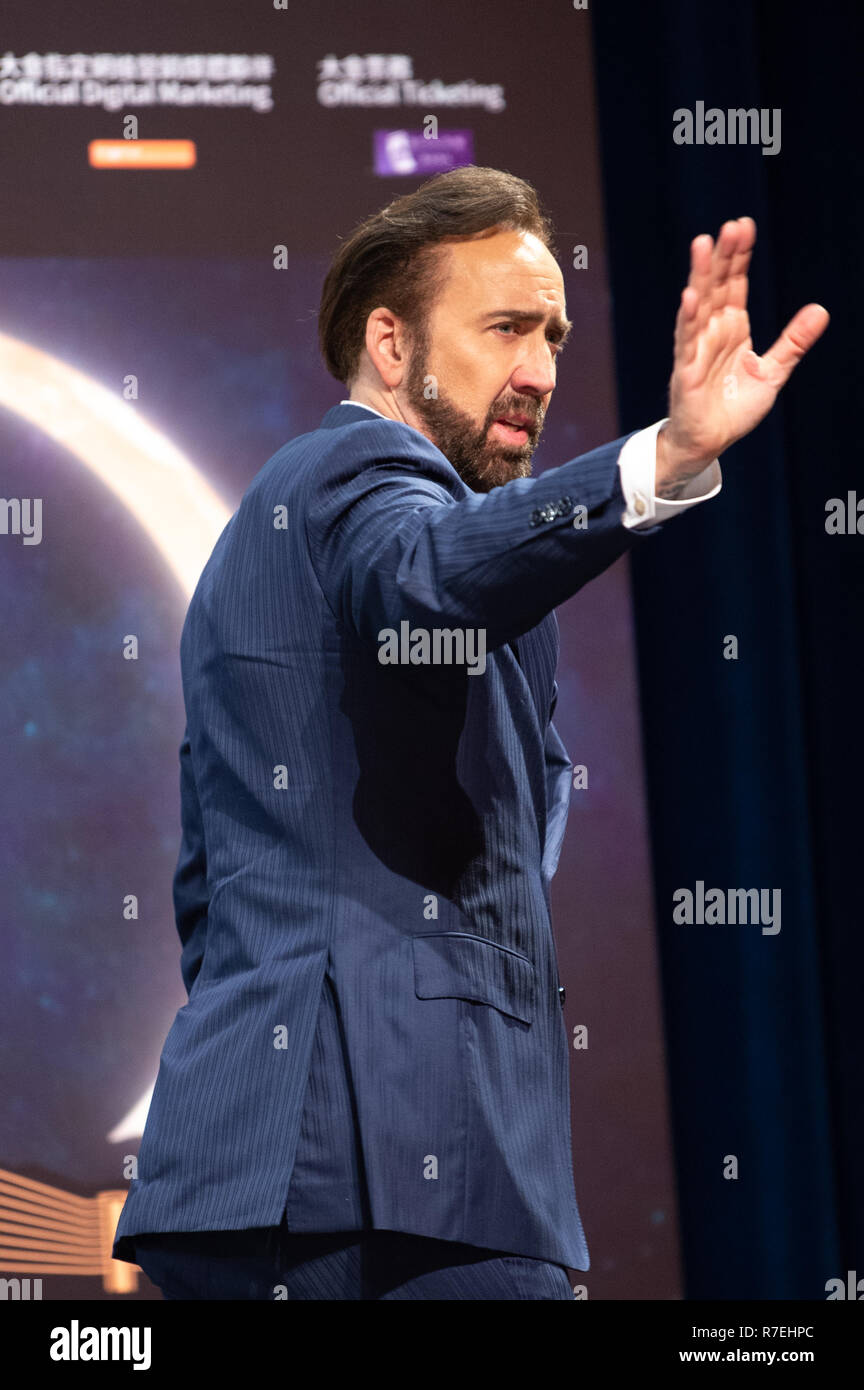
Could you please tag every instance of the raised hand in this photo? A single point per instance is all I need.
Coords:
(720, 389)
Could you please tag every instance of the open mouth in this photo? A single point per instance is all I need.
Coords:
(513, 433)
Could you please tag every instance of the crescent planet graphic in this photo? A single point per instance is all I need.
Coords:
(169, 497)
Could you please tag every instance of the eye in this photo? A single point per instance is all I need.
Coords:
(555, 343)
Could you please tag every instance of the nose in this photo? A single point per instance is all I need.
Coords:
(535, 372)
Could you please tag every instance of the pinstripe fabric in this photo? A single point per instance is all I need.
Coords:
(391, 829)
(328, 1182)
(378, 1265)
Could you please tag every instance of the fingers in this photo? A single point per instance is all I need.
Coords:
(725, 251)
(686, 327)
(799, 335)
(701, 259)
(695, 306)
(736, 294)
(718, 276)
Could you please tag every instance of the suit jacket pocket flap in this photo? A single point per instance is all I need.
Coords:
(450, 965)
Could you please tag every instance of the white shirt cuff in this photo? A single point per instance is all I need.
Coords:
(637, 463)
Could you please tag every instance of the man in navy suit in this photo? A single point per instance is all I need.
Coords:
(366, 1095)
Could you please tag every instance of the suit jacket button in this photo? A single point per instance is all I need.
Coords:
(562, 995)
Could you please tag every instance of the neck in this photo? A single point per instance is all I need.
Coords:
(385, 401)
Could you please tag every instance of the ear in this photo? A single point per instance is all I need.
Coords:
(387, 344)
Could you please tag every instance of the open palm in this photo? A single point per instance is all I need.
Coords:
(720, 389)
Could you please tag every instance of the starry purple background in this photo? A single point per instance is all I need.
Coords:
(226, 362)
(225, 353)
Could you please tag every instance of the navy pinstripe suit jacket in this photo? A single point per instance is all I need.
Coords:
(385, 832)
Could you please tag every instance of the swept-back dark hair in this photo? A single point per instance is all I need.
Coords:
(390, 258)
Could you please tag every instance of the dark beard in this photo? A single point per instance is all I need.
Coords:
(481, 463)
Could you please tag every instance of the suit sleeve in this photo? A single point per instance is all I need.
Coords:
(190, 879)
(389, 540)
(558, 785)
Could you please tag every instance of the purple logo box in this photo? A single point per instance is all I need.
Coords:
(409, 152)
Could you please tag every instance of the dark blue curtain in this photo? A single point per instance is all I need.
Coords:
(755, 768)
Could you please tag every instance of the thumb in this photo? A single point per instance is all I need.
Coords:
(797, 338)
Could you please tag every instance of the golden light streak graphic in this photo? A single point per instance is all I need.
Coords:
(44, 1230)
(183, 517)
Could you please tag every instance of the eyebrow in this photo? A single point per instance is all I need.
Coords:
(561, 326)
